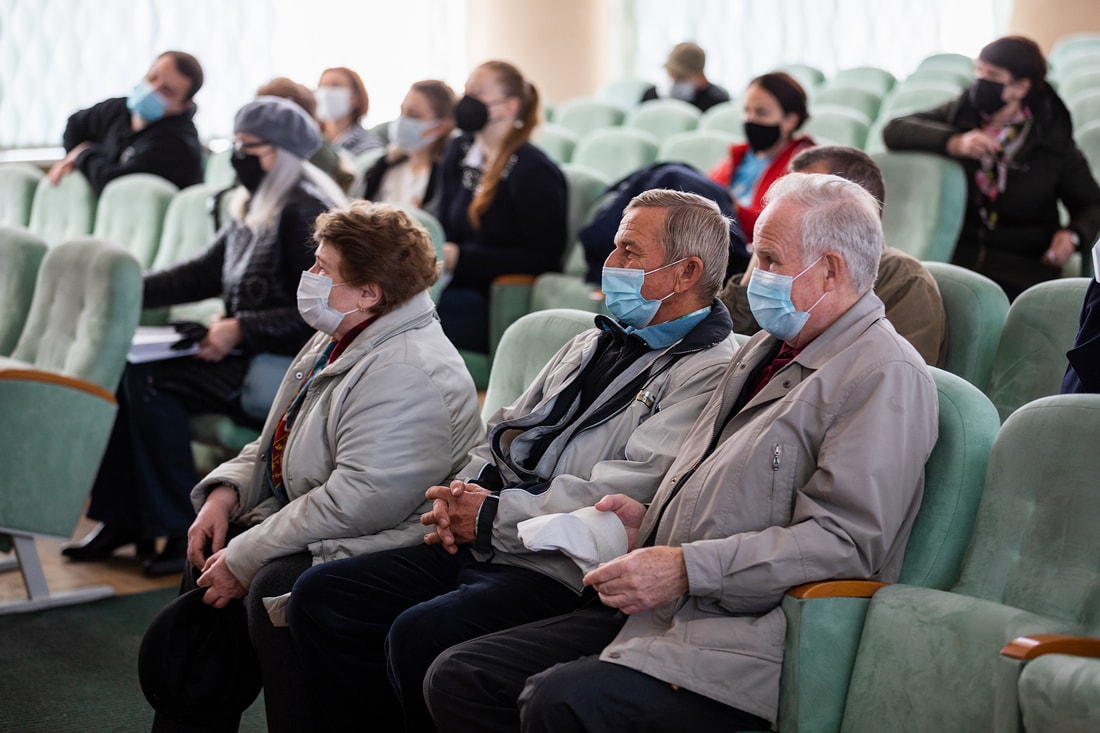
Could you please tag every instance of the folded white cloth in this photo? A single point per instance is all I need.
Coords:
(588, 536)
(276, 609)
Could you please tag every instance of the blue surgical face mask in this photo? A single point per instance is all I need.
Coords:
(770, 302)
(622, 289)
(407, 134)
(146, 102)
(682, 90)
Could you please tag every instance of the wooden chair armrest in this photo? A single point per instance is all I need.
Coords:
(1036, 645)
(38, 375)
(836, 589)
(515, 279)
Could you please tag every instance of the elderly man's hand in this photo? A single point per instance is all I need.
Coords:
(65, 166)
(641, 580)
(211, 525)
(221, 584)
(629, 511)
(453, 514)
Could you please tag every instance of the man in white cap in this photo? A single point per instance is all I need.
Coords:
(688, 83)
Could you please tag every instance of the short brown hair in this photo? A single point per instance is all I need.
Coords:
(286, 88)
(380, 244)
(788, 92)
(359, 110)
(190, 67)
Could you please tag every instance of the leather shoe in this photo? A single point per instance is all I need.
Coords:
(172, 559)
(102, 541)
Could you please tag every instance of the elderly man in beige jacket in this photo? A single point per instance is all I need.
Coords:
(807, 464)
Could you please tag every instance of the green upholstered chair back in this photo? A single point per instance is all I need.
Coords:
(810, 77)
(1031, 355)
(582, 115)
(975, 307)
(702, 149)
(584, 189)
(188, 227)
(218, 169)
(925, 203)
(856, 98)
(21, 253)
(954, 61)
(838, 125)
(525, 349)
(929, 659)
(625, 93)
(86, 304)
(1060, 694)
(953, 477)
(872, 78)
(64, 211)
(435, 230)
(1037, 537)
(18, 182)
(616, 151)
(663, 117)
(131, 211)
(931, 77)
(726, 117)
(556, 141)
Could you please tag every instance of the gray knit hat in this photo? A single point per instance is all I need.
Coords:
(281, 123)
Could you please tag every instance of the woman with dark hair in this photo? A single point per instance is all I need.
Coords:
(502, 202)
(407, 174)
(342, 102)
(1014, 138)
(375, 408)
(775, 109)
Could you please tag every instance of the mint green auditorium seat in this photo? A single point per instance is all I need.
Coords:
(615, 152)
(57, 398)
(1031, 354)
(1079, 84)
(954, 61)
(925, 203)
(810, 77)
(18, 182)
(60, 213)
(525, 349)
(824, 620)
(556, 141)
(925, 95)
(872, 78)
(1059, 687)
(1068, 48)
(858, 99)
(625, 93)
(929, 660)
(1085, 109)
(701, 149)
(582, 115)
(663, 118)
(837, 125)
(21, 254)
(131, 211)
(976, 308)
(728, 117)
(218, 169)
(938, 77)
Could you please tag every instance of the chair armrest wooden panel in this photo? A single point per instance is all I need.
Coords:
(37, 375)
(836, 589)
(514, 279)
(1036, 645)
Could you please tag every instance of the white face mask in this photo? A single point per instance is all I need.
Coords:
(332, 103)
(407, 134)
(313, 295)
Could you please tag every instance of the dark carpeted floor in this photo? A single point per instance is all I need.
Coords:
(75, 668)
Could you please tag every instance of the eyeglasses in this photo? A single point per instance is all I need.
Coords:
(242, 148)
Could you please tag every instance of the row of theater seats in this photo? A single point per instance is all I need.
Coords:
(1005, 545)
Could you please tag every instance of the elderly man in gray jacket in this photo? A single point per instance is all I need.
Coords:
(806, 464)
(607, 414)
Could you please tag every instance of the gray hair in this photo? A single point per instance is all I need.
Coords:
(836, 215)
(694, 227)
(267, 202)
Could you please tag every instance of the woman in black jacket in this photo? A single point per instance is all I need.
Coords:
(1014, 138)
(143, 488)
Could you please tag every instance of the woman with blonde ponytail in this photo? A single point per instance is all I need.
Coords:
(502, 203)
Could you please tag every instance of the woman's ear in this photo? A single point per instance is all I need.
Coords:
(370, 295)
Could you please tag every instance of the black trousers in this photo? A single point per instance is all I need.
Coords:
(367, 628)
(546, 677)
(147, 473)
(280, 671)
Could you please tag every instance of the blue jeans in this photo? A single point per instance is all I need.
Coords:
(367, 628)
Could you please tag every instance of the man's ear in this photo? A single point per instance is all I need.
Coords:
(691, 272)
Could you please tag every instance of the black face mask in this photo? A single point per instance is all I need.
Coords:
(249, 172)
(471, 115)
(761, 137)
(985, 95)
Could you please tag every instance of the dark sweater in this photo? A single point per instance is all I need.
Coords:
(168, 148)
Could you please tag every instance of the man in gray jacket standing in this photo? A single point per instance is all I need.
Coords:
(807, 464)
(607, 414)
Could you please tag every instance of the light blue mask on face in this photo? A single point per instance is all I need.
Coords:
(146, 102)
(622, 289)
(682, 90)
(770, 302)
(407, 134)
